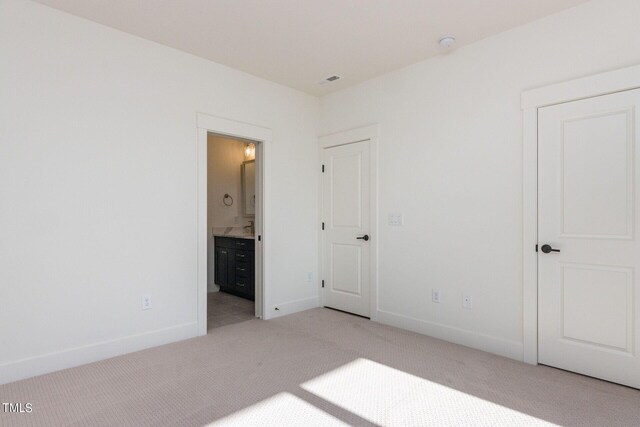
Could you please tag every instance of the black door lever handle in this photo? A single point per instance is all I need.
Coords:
(365, 238)
(548, 249)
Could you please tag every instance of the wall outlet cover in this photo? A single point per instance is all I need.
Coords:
(435, 296)
(467, 302)
(146, 302)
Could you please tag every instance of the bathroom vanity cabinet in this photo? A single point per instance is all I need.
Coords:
(235, 266)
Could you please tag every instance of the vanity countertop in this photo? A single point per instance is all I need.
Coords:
(236, 232)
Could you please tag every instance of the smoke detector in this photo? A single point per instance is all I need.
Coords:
(447, 42)
(330, 79)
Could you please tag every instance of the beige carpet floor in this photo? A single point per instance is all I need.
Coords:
(225, 309)
(318, 367)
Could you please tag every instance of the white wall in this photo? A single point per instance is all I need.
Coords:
(450, 150)
(224, 159)
(98, 187)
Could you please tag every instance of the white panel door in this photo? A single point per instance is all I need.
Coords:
(588, 200)
(347, 234)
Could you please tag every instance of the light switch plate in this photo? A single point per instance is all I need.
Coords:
(395, 219)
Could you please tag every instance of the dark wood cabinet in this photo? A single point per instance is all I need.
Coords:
(235, 266)
(221, 265)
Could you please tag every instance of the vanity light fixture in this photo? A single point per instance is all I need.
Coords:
(250, 151)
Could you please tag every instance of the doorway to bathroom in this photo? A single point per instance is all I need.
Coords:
(232, 214)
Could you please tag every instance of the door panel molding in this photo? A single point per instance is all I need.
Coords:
(368, 133)
(531, 101)
(627, 310)
(628, 115)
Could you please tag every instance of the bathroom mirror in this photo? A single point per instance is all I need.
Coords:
(248, 177)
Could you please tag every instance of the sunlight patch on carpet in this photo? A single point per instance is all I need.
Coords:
(283, 409)
(387, 396)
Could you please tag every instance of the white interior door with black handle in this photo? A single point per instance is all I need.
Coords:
(347, 220)
(589, 254)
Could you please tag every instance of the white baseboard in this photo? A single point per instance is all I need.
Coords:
(290, 307)
(51, 362)
(488, 343)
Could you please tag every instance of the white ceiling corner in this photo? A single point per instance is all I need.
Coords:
(300, 42)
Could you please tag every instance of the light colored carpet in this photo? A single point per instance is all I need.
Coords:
(318, 367)
(225, 309)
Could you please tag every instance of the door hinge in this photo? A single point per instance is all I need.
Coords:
(323, 225)
(322, 168)
(536, 248)
(323, 283)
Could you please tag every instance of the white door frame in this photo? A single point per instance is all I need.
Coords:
(587, 87)
(368, 133)
(263, 136)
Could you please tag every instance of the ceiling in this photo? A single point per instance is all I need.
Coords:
(300, 42)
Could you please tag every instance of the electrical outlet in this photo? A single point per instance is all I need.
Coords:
(146, 302)
(309, 277)
(435, 296)
(467, 302)
(395, 219)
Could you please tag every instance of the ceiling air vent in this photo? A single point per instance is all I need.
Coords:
(329, 80)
